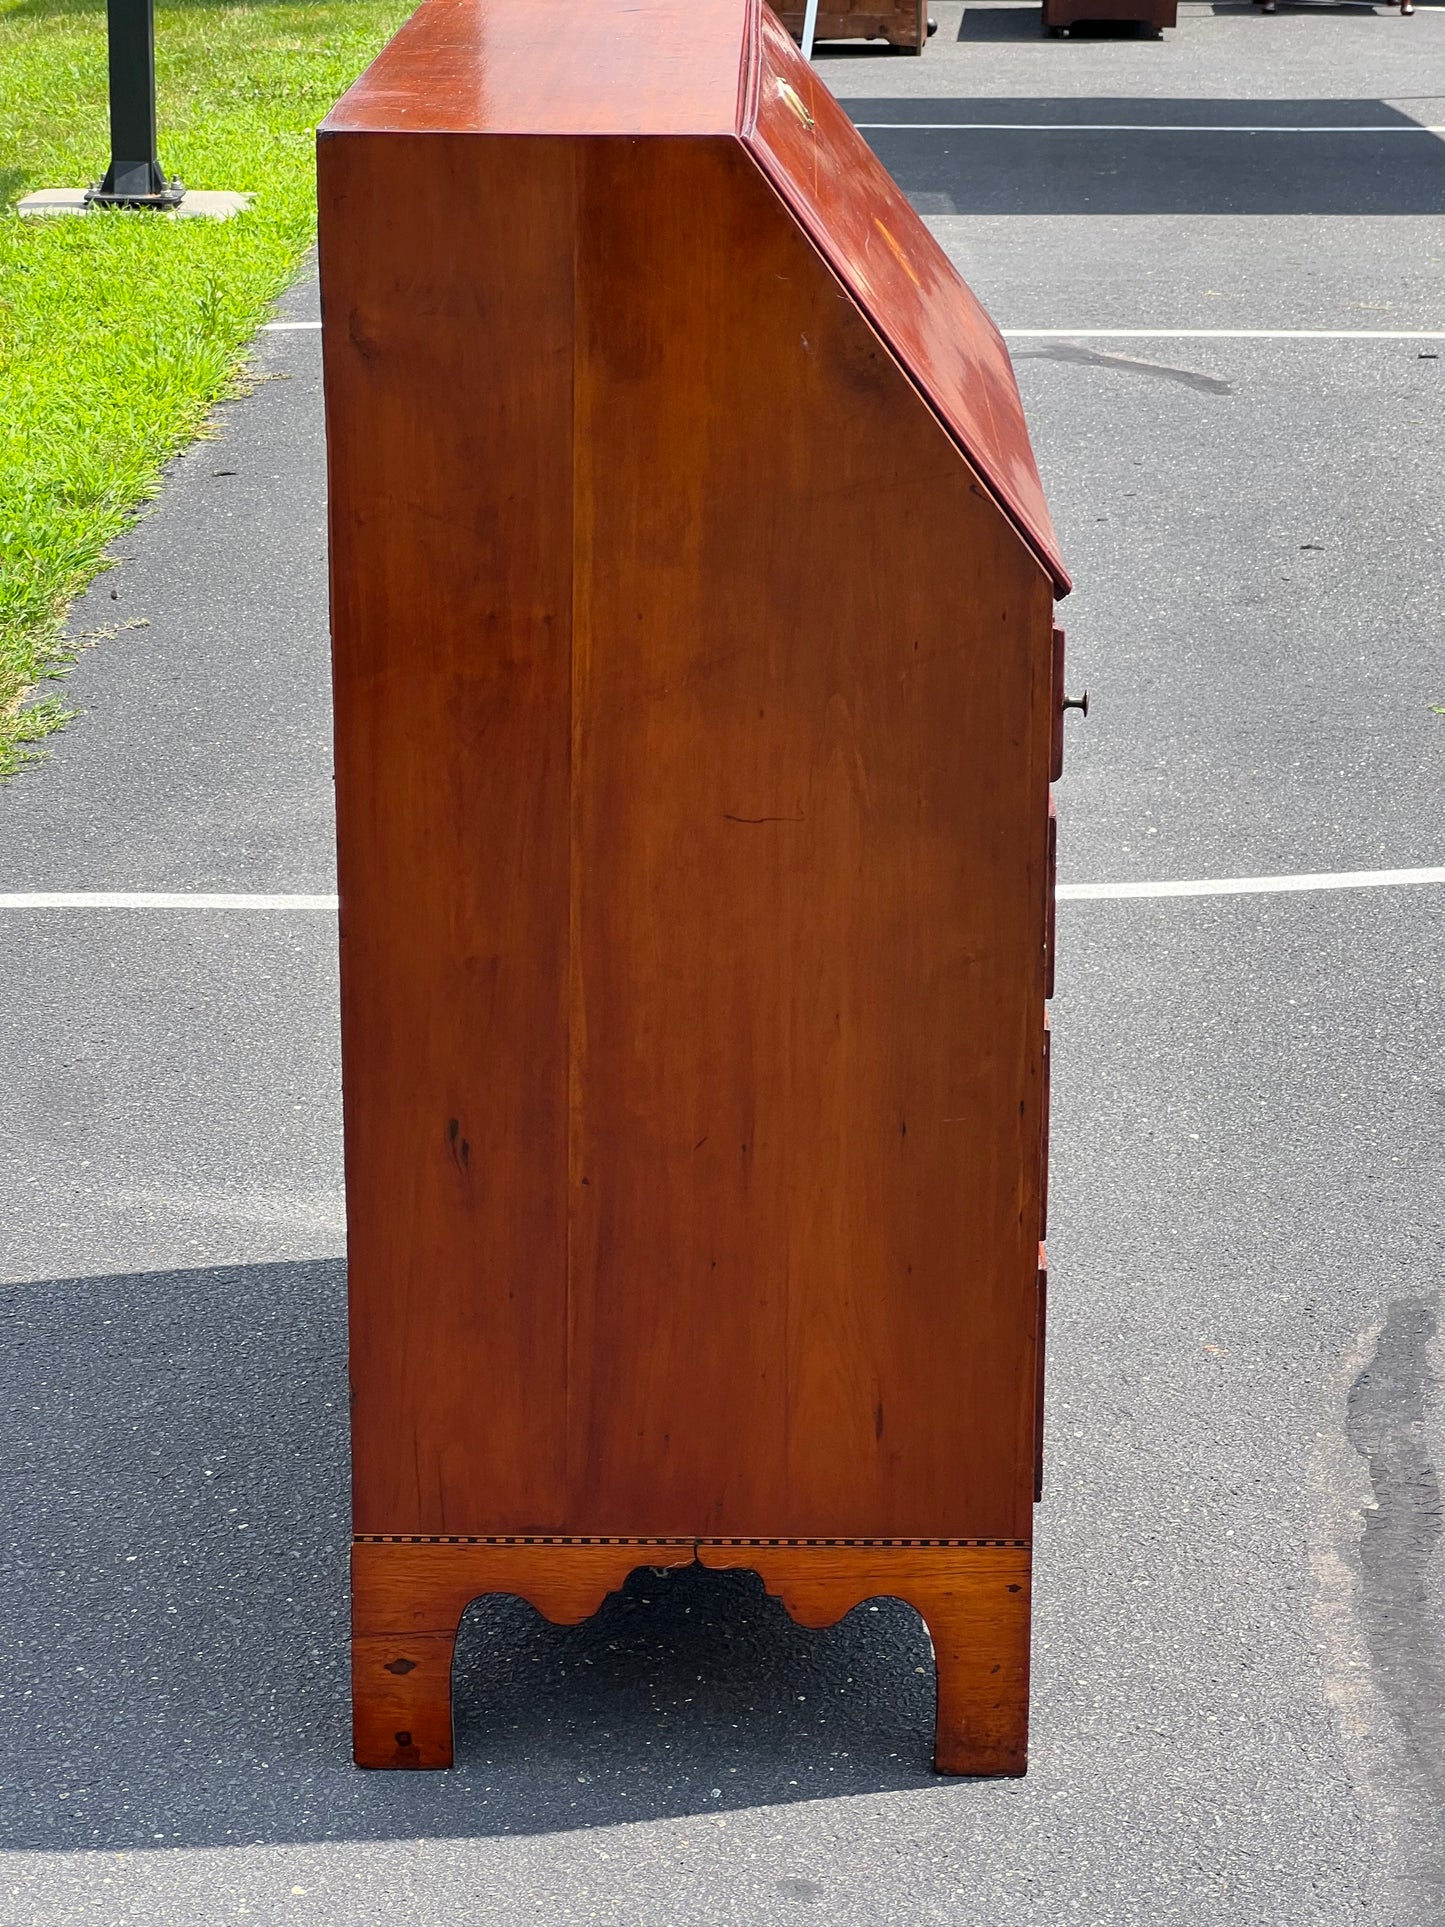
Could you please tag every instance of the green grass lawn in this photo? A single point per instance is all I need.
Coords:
(119, 331)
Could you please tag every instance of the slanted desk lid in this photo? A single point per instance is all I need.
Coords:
(641, 68)
(857, 217)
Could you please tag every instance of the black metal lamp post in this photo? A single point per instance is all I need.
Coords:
(135, 177)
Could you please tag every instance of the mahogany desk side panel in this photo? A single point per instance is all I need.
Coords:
(809, 812)
(448, 387)
(691, 987)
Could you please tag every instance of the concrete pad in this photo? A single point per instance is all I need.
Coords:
(196, 204)
(54, 200)
(211, 204)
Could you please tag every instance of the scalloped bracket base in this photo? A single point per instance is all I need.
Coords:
(409, 1594)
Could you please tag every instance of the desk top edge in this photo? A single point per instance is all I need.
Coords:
(540, 67)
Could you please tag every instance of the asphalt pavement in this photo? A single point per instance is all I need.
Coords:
(1239, 1704)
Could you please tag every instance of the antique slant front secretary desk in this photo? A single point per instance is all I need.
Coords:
(696, 702)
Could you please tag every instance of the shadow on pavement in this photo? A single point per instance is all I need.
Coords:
(994, 22)
(1013, 164)
(174, 1636)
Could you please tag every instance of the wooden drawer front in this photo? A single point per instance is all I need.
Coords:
(1051, 876)
(1039, 1332)
(1044, 1140)
(1056, 747)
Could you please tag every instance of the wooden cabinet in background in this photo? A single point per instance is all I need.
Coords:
(692, 592)
(902, 23)
(1158, 14)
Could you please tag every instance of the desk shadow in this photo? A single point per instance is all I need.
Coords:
(996, 156)
(175, 1605)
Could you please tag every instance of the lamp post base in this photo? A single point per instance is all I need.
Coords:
(136, 187)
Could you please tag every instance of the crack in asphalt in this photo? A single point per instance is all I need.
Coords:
(1385, 1423)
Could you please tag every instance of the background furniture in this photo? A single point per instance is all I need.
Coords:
(902, 23)
(1158, 14)
(696, 702)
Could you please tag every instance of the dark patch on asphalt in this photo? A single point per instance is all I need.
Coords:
(1131, 364)
(1385, 1423)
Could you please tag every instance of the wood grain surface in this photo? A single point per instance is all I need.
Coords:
(408, 1602)
(699, 67)
(976, 1605)
(808, 798)
(695, 854)
(449, 427)
(692, 816)
(556, 67)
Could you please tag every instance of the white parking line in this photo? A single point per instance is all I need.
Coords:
(1126, 334)
(1067, 892)
(1223, 334)
(1120, 127)
(160, 900)
(1253, 886)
